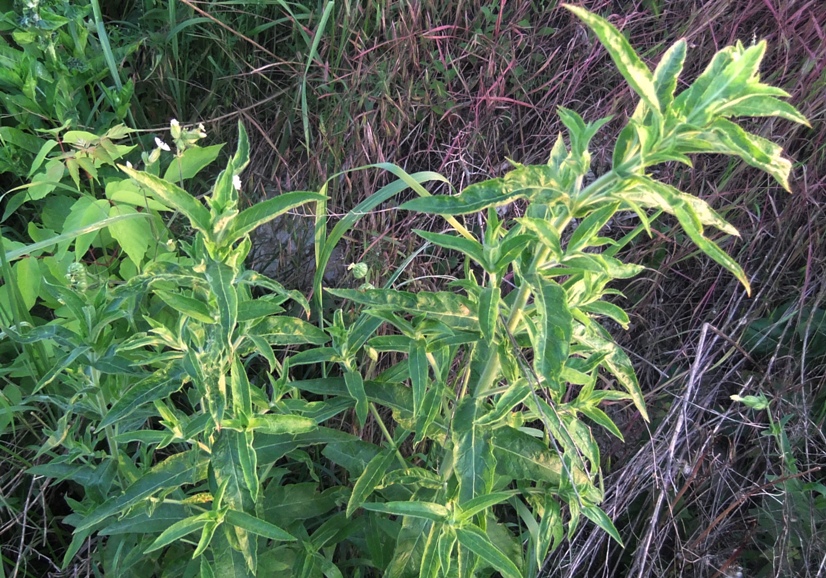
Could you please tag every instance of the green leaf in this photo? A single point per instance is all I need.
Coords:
(258, 526)
(240, 388)
(454, 310)
(190, 307)
(474, 539)
(183, 468)
(601, 418)
(430, 558)
(523, 457)
(667, 72)
(693, 229)
(191, 162)
(635, 72)
(355, 386)
(176, 198)
(221, 278)
(472, 249)
(27, 276)
(250, 219)
(85, 212)
(489, 312)
(473, 457)
(731, 82)
(257, 308)
(588, 228)
(228, 562)
(554, 327)
(481, 503)
(226, 471)
(285, 330)
(178, 530)
(159, 385)
(410, 544)
(132, 235)
(609, 310)
(424, 510)
(419, 372)
(513, 396)
(369, 479)
(277, 424)
(546, 234)
(600, 518)
(758, 105)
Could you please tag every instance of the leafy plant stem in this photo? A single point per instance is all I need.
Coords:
(387, 435)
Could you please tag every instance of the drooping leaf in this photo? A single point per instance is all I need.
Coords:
(191, 162)
(414, 509)
(159, 385)
(758, 105)
(258, 526)
(472, 249)
(474, 539)
(190, 307)
(250, 219)
(523, 457)
(482, 503)
(355, 386)
(178, 530)
(553, 329)
(600, 518)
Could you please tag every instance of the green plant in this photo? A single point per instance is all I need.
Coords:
(467, 451)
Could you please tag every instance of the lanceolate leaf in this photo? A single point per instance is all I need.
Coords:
(221, 278)
(488, 312)
(419, 373)
(178, 530)
(668, 71)
(553, 328)
(159, 385)
(369, 479)
(758, 105)
(175, 197)
(250, 219)
(601, 519)
(174, 472)
(355, 386)
(414, 509)
(258, 526)
(522, 457)
(188, 306)
(474, 539)
(277, 424)
(472, 249)
(284, 330)
(473, 456)
(635, 72)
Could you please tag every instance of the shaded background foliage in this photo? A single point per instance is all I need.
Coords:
(459, 87)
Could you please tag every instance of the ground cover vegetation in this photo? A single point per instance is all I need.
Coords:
(463, 399)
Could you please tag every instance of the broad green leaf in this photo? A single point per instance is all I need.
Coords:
(176, 198)
(41, 156)
(178, 530)
(180, 469)
(482, 503)
(27, 276)
(474, 539)
(258, 526)
(227, 561)
(355, 386)
(45, 182)
(278, 424)
(250, 219)
(85, 212)
(221, 278)
(635, 72)
(424, 510)
(369, 479)
(758, 105)
(132, 235)
(296, 502)
(509, 250)
(472, 249)
(190, 307)
(271, 448)
(191, 162)
(159, 385)
(601, 519)
(473, 456)
(419, 372)
(687, 101)
(667, 72)
(140, 522)
(489, 312)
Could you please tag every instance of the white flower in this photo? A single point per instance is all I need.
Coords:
(201, 130)
(128, 165)
(161, 145)
(236, 182)
(174, 122)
